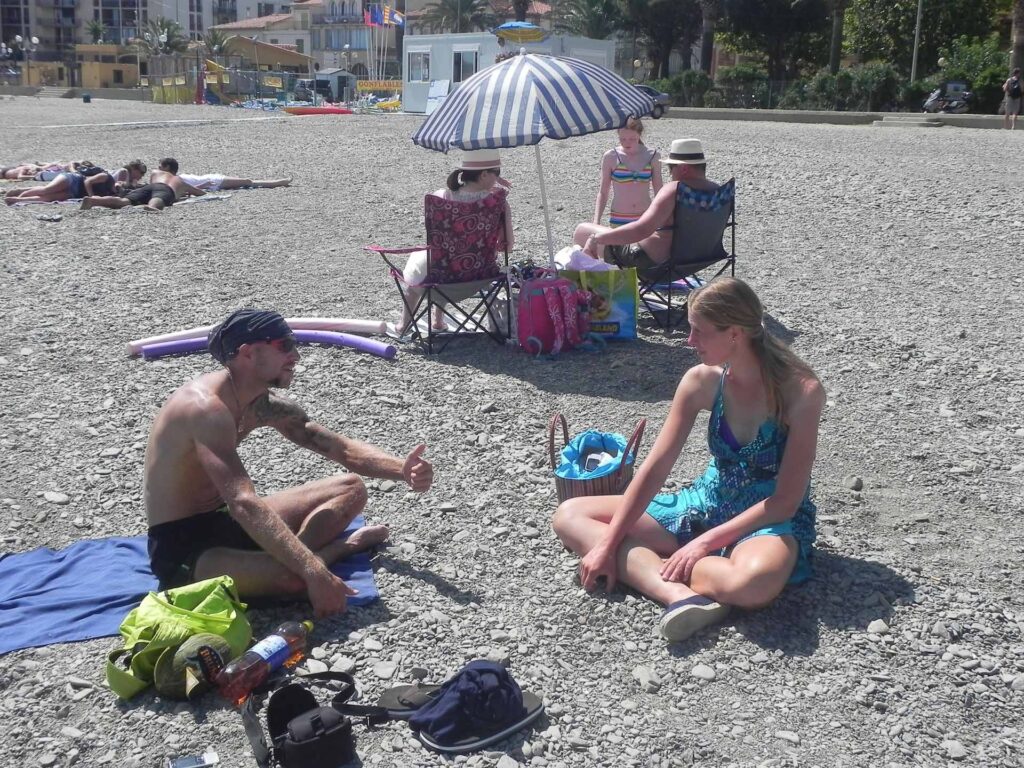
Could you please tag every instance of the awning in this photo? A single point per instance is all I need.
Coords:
(266, 54)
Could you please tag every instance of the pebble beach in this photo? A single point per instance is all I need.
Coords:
(889, 258)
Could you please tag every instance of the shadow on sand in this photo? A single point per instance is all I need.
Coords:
(846, 593)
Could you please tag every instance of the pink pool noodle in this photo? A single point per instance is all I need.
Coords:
(379, 348)
(296, 323)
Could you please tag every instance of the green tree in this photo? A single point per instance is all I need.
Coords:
(838, 11)
(596, 19)
(519, 9)
(214, 40)
(174, 38)
(1017, 55)
(711, 11)
(96, 30)
(884, 29)
(662, 27)
(458, 16)
(790, 34)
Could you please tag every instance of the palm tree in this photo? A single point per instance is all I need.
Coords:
(96, 30)
(519, 8)
(458, 16)
(711, 11)
(838, 8)
(596, 19)
(174, 38)
(1017, 55)
(214, 40)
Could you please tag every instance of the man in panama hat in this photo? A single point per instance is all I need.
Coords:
(647, 241)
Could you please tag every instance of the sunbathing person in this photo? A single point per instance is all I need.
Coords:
(164, 188)
(745, 528)
(29, 171)
(214, 182)
(205, 517)
(647, 241)
(67, 185)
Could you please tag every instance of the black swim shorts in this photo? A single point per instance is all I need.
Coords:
(144, 194)
(628, 256)
(175, 546)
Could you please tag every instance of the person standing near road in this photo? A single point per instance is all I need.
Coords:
(1012, 88)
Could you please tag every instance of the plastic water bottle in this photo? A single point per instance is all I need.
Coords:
(285, 646)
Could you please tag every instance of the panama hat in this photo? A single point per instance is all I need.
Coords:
(480, 160)
(685, 151)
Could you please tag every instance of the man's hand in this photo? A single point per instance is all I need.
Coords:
(417, 471)
(679, 567)
(328, 594)
(590, 247)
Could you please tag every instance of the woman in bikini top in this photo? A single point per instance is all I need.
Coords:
(631, 173)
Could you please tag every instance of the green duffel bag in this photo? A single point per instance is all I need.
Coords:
(164, 620)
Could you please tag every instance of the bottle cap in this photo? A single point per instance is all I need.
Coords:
(308, 625)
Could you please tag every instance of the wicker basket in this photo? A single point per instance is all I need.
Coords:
(609, 485)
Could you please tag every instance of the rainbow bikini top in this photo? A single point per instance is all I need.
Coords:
(623, 174)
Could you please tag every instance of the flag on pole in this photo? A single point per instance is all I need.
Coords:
(367, 18)
(387, 16)
(377, 16)
(398, 18)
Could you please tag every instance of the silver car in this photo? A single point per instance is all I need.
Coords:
(662, 101)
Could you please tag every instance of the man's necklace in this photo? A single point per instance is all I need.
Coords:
(238, 404)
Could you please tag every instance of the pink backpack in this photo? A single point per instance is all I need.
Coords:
(553, 314)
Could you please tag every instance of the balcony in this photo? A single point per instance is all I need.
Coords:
(348, 18)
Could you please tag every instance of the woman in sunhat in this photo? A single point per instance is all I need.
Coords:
(477, 178)
(745, 528)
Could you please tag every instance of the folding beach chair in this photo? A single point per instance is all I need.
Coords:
(463, 276)
(701, 219)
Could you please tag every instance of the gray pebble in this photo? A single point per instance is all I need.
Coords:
(703, 672)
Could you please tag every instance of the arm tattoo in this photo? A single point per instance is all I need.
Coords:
(291, 420)
(271, 410)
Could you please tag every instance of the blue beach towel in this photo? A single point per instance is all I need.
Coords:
(84, 591)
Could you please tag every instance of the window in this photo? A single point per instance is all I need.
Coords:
(273, 41)
(463, 65)
(118, 76)
(316, 39)
(419, 67)
(299, 46)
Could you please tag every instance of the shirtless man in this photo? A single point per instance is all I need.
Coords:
(164, 187)
(652, 232)
(205, 518)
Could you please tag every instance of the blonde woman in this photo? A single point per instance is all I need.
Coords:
(631, 174)
(745, 528)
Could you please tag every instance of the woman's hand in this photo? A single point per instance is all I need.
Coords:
(600, 561)
(679, 567)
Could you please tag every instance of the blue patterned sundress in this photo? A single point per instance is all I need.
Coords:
(734, 481)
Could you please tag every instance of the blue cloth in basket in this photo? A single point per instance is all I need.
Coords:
(575, 452)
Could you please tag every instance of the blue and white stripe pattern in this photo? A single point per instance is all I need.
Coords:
(529, 97)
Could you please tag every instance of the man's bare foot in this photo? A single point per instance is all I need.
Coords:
(366, 537)
(86, 204)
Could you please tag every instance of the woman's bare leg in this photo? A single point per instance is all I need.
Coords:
(582, 523)
(585, 230)
(232, 183)
(103, 202)
(753, 575)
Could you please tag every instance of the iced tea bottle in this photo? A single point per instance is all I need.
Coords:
(285, 646)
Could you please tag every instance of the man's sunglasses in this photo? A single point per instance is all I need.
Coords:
(285, 344)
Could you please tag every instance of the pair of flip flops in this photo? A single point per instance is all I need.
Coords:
(402, 701)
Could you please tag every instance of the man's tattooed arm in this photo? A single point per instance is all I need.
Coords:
(289, 418)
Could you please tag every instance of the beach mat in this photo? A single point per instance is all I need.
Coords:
(84, 591)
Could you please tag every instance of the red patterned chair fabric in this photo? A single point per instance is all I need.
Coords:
(464, 238)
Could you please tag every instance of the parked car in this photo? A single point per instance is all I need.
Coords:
(304, 90)
(662, 101)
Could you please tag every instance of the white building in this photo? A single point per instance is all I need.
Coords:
(455, 58)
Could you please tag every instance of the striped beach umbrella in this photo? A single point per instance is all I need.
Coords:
(526, 98)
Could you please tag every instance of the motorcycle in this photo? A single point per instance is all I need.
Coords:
(937, 101)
